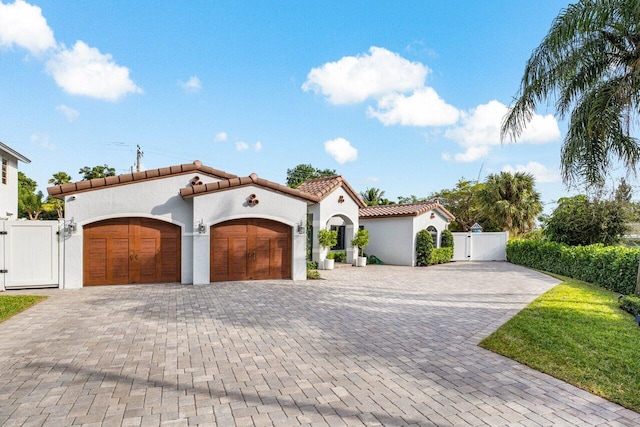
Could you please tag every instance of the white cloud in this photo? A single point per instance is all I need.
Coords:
(257, 146)
(353, 79)
(22, 24)
(220, 137)
(242, 146)
(341, 150)
(71, 114)
(85, 71)
(538, 170)
(422, 108)
(193, 85)
(42, 140)
(479, 130)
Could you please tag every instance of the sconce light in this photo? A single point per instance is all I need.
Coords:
(202, 228)
(301, 228)
(70, 227)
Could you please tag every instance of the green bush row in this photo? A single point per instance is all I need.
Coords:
(441, 255)
(612, 267)
(631, 303)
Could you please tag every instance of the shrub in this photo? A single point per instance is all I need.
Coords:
(441, 255)
(446, 240)
(613, 268)
(331, 255)
(340, 256)
(361, 241)
(313, 274)
(424, 247)
(312, 265)
(328, 238)
(631, 303)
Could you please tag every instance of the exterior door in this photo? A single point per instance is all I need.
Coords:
(131, 250)
(250, 249)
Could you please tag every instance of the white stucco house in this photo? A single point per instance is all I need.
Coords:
(9, 181)
(191, 223)
(393, 229)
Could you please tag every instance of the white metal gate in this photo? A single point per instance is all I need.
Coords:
(29, 254)
(480, 246)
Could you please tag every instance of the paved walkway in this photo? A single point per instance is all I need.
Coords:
(375, 346)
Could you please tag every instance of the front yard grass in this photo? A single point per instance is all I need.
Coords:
(577, 332)
(11, 305)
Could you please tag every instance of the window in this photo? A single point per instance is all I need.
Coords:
(434, 234)
(309, 237)
(340, 245)
(4, 171)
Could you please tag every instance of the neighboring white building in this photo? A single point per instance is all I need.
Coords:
(9, 181)
(393, 229)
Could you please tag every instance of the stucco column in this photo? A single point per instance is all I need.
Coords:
(201, 248)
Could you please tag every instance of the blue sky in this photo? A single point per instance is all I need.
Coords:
(403, 96)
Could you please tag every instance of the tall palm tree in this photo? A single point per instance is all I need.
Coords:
(511, 201)
(589, 62)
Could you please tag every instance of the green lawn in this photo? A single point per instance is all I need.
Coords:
(11, 305)
(576, 332)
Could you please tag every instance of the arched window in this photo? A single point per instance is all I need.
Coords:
(434, 234)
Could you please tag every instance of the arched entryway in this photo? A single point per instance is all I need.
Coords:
(131, 250)
(250, 249)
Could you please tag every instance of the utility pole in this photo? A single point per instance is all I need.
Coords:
(139, 154)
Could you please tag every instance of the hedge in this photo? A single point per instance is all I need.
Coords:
(611, 267)
(441, 255)
(631, 303)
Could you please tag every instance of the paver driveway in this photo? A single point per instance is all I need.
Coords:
(374, 346)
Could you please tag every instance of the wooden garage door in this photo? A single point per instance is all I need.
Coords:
(131, 250)
(250, 249)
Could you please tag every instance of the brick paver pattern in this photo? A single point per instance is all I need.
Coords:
(371, 346)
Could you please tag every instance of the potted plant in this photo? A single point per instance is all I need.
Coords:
(360, 242)
(328, 239)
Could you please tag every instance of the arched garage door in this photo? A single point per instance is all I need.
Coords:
(250, 249)
(131, 250)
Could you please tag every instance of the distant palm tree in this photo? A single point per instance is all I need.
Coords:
(373, 197)
(589, 62)
(511, 201)
(60, 178)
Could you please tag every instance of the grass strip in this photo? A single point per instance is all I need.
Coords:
(576, 332)
(10, 305)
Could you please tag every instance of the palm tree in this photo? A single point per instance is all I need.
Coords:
(589, 62)
(511, 201)
(60, 178)
(374, 197)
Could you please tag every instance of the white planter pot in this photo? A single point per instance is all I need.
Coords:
(362, 261)
(329, 264)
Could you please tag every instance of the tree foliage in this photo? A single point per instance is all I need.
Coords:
(52, 203)
(511, 200)
(29, 201)
(302, 173)
(96, 172)
(589, 62)
(580, 220)
(464, 203)
(402, 200)
(374, 197)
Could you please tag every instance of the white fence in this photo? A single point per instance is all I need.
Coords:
(480, 246)
(30, 254)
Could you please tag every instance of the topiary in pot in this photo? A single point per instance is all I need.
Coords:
(328, 239)
(361, 241)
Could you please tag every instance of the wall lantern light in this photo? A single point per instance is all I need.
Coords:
(202, 228)
(301, 228)
(70, 227)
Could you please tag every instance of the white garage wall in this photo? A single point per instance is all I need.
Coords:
(157, 198)
(390, 239)
(221, 206)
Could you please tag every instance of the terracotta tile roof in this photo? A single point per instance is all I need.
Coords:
(413, 209)
(128, 178)
(322, 187)
(253, 179)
